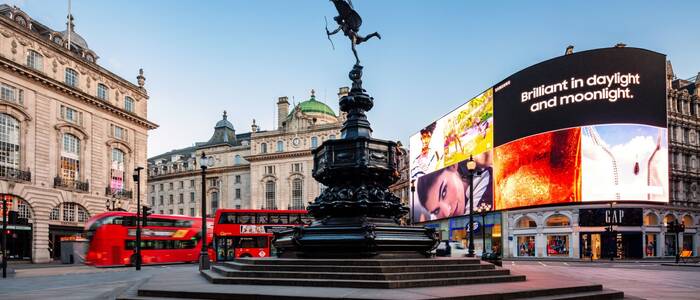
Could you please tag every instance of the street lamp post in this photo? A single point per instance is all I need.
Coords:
(137, 248)
(483, 210)
(413, 196)
(204, 162)
(613, 236)
(4, 234)
(471, 169)
(676, 228)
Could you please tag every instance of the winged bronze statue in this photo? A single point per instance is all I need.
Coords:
(349, 21)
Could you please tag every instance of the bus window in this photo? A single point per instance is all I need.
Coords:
(307, 219)
(246, 219)
(279, 219)
(297, 219)
(228, 218)
(262, 219)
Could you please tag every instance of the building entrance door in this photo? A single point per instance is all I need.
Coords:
(58, 232)
(590, 245)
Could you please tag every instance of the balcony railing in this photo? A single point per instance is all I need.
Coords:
(14, 174)
(118, 193)
(65, 183)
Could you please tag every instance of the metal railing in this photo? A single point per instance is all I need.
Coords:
(118, 193)
(81, 186)
(7, 173)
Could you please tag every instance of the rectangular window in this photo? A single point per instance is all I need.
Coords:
(118, 132)
(526, 245)
(160, 187)
(170, 186)
(237, 179)
(153, 201)
(170, 199)
(297, 167)
(238, 194)
(170, 211)
(161, 212)
(181, 199)
(191, 196)
(71, 115)
(71, 77)
(192, 212)
(128, 104)
(160, 200)
(182, 184)
(102, 92)
(10, 93)
(269, 170)
(35, 60)
(192, 183)
(557, 245)
(181, 211)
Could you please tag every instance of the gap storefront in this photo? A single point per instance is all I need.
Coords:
(489, 224)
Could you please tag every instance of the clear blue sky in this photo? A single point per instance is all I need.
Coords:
(203, 57)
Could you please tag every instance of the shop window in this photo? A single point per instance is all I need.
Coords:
(525, 222)
(650, 244)
(670, 247)
(526, 245)
(557, 245)
(557, 221)
(688, 242)
(651, 220)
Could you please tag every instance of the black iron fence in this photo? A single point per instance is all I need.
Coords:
(81, 186)
(7, 173)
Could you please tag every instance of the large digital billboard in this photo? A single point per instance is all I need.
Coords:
(589, 126)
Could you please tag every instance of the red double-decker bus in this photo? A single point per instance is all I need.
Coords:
(248, 233)
(165, 239)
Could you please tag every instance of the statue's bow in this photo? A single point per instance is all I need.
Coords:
(328, 35)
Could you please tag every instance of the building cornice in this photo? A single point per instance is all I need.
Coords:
(277, 155)
(198, 172)
(58, 86)
(58, 48)
(282, 132)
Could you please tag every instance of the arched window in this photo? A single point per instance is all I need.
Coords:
(9, 145)
(280, 146)
(331, 137)
(651, 220)
(297, 193)
(263, 148)
(688, 220)
(525, 222)
(69, 212)
(669, 218)
(314, 142)
(102, 92)
(128, 104)
(557, 221)
(71, 77)
(35, 60)
(237, 160)
(70, 157)
(270, 189)
(214, 202)
(24, 211)
(117, 171)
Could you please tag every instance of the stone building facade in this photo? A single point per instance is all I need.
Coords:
(71, 132)
(258, 169)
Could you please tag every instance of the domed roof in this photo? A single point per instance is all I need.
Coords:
(314, 106)
(224, 123)
(75, 38)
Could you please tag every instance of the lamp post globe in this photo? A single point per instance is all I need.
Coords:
(471, 169)
(204, 162)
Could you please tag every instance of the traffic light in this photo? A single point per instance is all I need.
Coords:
(145, 212)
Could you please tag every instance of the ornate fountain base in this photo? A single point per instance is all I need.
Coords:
(356, 237)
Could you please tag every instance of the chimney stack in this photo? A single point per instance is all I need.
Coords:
(282, 111)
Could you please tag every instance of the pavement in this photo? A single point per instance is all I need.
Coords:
(648, 280)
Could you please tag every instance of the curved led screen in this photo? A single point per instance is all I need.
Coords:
(589, 126)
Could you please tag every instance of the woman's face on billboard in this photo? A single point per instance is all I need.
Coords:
(445, 195)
